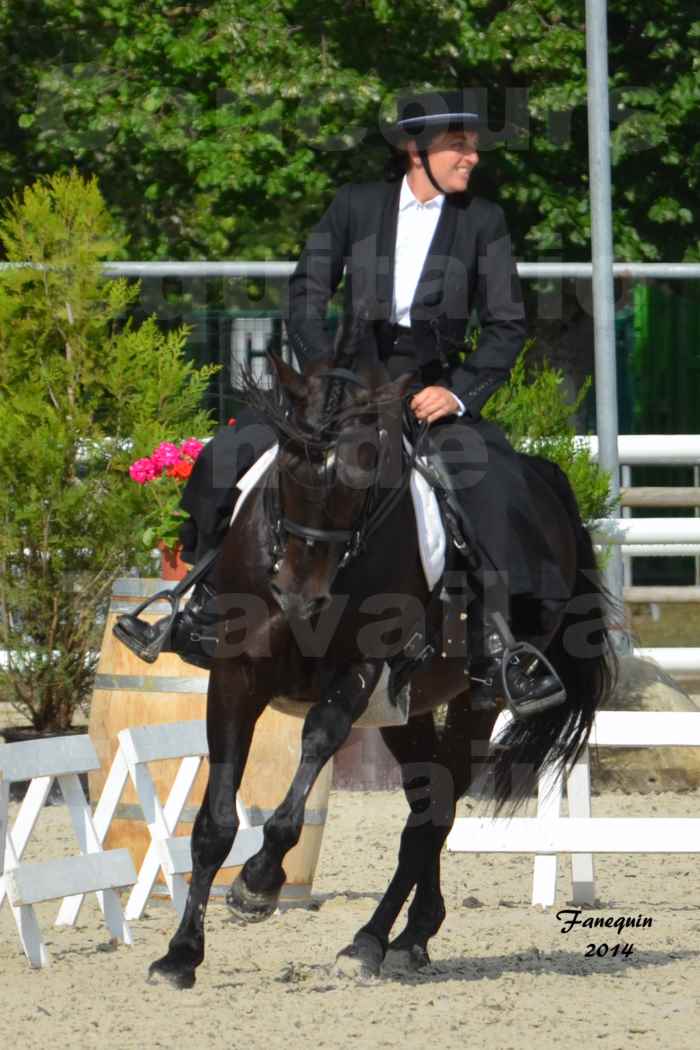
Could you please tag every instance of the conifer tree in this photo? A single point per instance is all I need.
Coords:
(83, 392)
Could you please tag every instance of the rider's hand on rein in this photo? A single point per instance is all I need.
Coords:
(434, 402)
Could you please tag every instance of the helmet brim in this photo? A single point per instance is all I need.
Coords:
(423, 129)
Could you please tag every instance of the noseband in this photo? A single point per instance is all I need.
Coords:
(354, 539)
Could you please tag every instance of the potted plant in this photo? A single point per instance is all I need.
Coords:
(83, 392)
(161, 477)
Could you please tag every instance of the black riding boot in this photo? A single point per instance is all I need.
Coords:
(501, 669)
(191, 633)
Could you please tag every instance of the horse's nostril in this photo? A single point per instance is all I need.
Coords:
(317, 605)
(278, 595)
(297, 605)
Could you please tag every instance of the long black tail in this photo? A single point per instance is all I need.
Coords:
(584, 658)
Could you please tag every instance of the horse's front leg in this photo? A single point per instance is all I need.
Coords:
(254, 894)
(231, 716)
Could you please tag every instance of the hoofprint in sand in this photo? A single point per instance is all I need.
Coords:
(502, 974)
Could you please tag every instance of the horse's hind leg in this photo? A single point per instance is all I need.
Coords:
(254, 894)
(433, 776)
(231, 717)
(409, 950)
(415, 748)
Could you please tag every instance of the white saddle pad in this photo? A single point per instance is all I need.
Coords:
(251, 477)
(431, 534)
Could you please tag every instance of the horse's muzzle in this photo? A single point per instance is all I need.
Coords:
(297, 606)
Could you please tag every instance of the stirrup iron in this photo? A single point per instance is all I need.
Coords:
(528, 656)
(150, 653)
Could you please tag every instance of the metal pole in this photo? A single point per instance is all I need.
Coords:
(627, 513)
(696, 512)
(602, 259)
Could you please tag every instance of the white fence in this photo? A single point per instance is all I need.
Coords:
(638, 450)
(669, 531)
(93, 870)
(580, 834)
(96, 870)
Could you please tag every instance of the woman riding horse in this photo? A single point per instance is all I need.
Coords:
(323, 544)
(420, 253)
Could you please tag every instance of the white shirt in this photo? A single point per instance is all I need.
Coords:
(415, 230)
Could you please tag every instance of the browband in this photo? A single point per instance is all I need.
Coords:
(342, 373)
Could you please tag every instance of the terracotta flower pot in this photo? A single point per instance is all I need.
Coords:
(172, 567)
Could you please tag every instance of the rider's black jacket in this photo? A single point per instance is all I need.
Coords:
(469, 267)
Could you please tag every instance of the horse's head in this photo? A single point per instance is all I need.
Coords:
(340, 439)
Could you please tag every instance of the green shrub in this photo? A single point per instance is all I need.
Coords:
(533, 410)
(81, 396)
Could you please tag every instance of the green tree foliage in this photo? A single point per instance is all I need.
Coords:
(222, 128)
(81, 396)
(654, 66)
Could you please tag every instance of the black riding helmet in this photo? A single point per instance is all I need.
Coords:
(422, 116)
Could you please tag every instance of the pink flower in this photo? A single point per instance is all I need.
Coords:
(142, 471)
(191, 447)
(166, 455)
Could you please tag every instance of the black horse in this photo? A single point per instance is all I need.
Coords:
(319, 552)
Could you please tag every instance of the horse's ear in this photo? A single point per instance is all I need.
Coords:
(293, 383)
(395, 390)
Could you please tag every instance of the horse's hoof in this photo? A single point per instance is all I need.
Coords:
(247, 906)
(171, 971)
(362, 958)
(406, 960)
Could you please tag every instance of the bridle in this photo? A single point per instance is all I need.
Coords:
(374, 512)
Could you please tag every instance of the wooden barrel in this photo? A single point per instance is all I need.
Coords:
(129, 692)
(365, 763)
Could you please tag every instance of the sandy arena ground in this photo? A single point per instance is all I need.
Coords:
(503, 975)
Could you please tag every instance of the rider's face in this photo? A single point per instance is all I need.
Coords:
(452, 155)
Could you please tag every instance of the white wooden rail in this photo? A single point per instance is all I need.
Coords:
(4, 805)
(187, 741)
(623, 531)
(93, 870)
(651, 449)
(170, 853)
(580, 834)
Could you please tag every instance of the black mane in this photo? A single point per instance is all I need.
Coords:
(277, 408)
